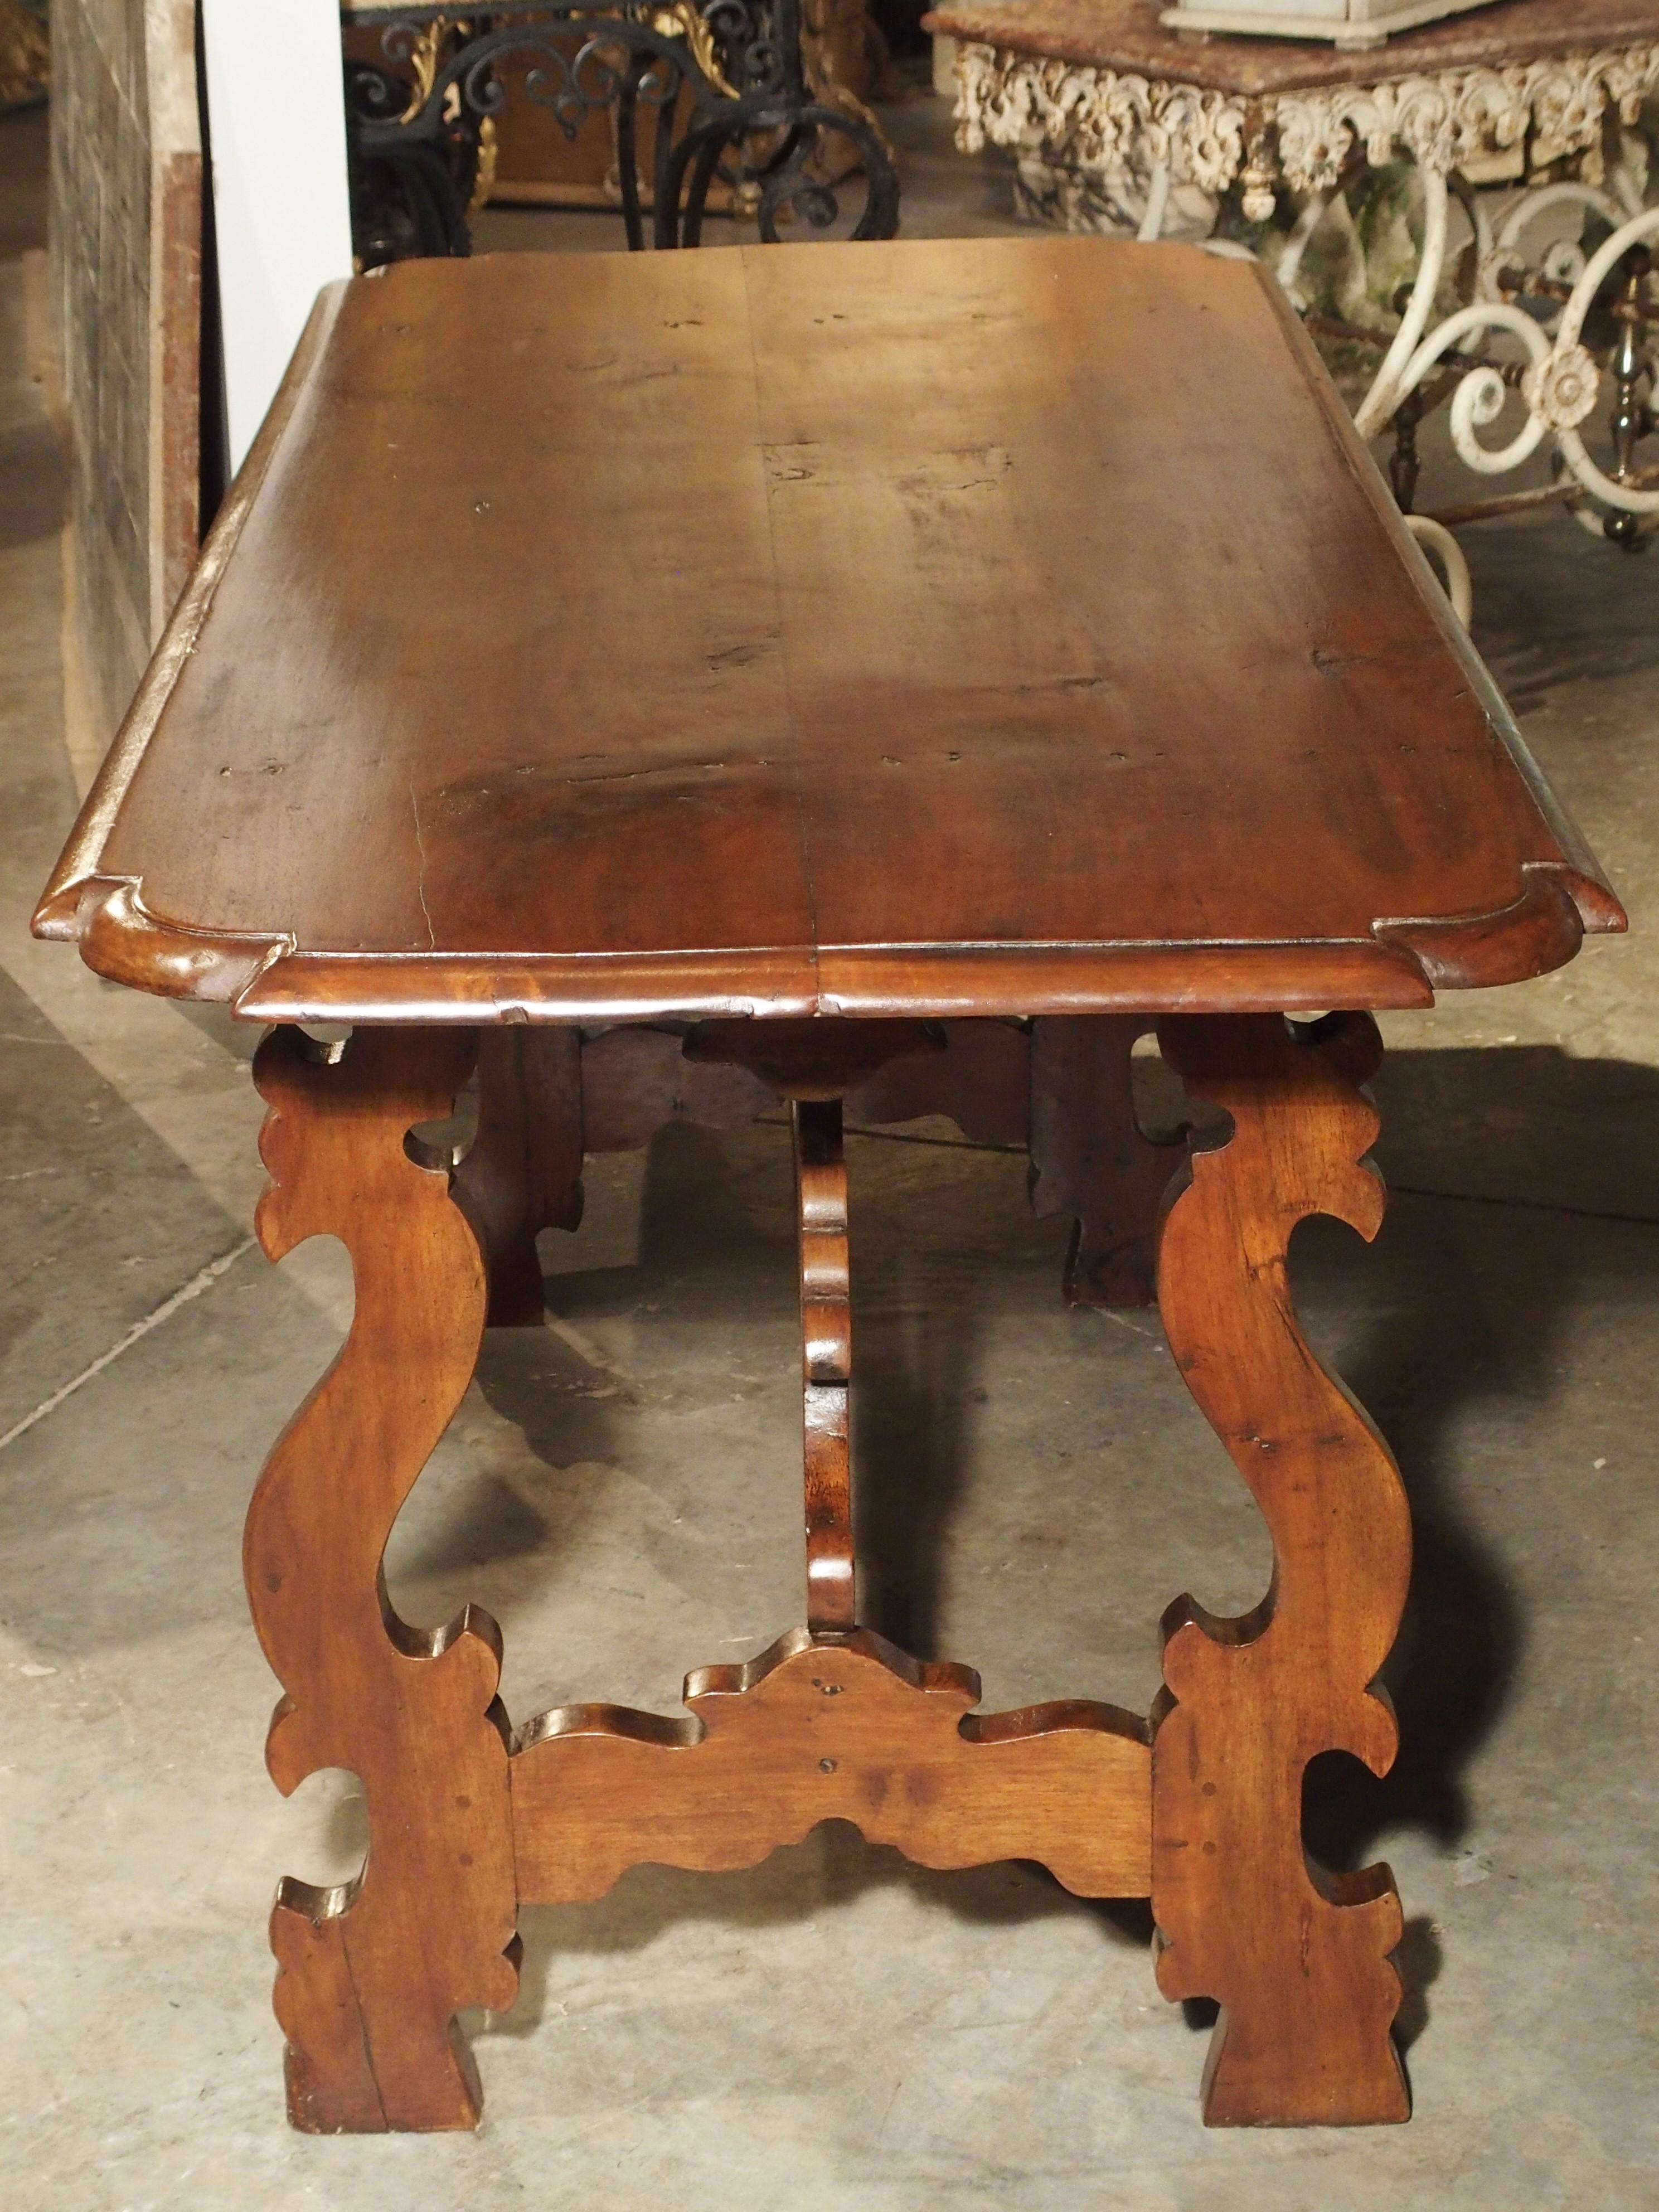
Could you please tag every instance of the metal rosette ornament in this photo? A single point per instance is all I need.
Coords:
(1563, 381)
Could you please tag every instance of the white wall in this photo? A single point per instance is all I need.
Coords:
(276, 127)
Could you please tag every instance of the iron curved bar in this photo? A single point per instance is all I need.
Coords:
(430, 195)
(755, 51)
(572, 85)
(703, 170)
(373, 93)
(662, 155)
(782, 178)
(675, 226)
(628, 171)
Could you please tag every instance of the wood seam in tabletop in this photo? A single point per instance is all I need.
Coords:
(57, 913)
(795, 765)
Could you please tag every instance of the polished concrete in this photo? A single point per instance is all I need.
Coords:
(836, 2030)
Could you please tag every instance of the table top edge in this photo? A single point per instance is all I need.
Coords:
(1404, 962)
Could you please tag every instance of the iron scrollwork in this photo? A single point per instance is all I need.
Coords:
(726, 79)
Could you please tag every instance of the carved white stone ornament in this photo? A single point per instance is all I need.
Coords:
(1035, 104)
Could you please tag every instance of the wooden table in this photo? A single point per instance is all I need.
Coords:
(801, 679)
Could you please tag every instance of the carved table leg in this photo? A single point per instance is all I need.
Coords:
(371, 1974)
(1090, 1159)
(1298, 1957)
(826, 1332)
(523, 1171)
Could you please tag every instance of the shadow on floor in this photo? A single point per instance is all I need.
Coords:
(1534, 1138)
(1542, 625)
(32, 486)
(25, 164)
(1417, 1367)
(914, 1366)
(833, 1866)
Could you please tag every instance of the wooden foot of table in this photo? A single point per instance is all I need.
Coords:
(372, 1974)
(1298, 1958)
(823, 1728)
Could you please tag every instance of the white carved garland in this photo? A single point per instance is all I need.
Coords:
(1102, 119)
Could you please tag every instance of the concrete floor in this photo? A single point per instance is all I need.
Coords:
(835, 2030)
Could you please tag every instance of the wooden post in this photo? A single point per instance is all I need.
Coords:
(1298, 1957)
(371, 1974)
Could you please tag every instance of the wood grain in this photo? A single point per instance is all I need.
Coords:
(1091, 1159)
(1062, 1086)
(945, 706)
(847, 1729)
(635, 1081)
(1298, 1957)
(831, 1722)
(371, 1974)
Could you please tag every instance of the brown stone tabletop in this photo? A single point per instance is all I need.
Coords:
(1126, 35)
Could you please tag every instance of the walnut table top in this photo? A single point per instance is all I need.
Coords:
(962, 627)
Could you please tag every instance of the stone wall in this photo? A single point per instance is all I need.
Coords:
(125, 286)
